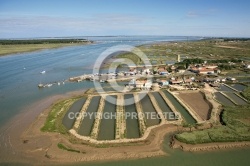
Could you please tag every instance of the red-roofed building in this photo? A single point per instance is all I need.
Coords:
(176, 81)
(187, 80)
(204, 70)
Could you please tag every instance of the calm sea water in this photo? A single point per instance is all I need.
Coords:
(18, 89)
(179, 158)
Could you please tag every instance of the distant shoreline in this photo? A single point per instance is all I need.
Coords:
(18, 48)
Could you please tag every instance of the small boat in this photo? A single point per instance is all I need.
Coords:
(40, 85)
(58, 83)
(102, 81)
(43, 72)
(49, 85)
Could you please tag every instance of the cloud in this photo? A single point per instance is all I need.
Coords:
(94, 24)
(97, 24)
(94, 21)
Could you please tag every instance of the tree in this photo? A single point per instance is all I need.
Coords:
(181, 68)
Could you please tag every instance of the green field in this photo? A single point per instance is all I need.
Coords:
(53, 122)
(20, 48)
(236, 128)
(246, 93)
(205, 49)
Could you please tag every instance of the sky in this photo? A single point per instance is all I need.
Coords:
(60, 18)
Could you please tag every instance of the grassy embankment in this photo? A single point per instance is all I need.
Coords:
(236, 128)
(246, 93)
(53, 122)
(20, 46)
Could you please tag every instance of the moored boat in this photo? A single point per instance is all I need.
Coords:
(43, 72)
(40, 85)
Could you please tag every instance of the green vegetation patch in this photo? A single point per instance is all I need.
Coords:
(19, 46)
(223, 134)
(237, 128)
(208, 49)
(246, 93)
(194, 138)
(41, 41)
(53, 122)
(130, 56)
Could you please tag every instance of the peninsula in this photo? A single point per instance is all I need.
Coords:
(20, 46)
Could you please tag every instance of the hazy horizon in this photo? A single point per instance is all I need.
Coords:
(32, 19)
(85, 37)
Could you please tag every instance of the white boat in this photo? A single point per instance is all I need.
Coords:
(102, 81)
(43, 72)
(40, 85)
(58, 83)
(49, 85)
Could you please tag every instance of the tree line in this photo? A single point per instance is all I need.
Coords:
(223, 63)
(41, 41)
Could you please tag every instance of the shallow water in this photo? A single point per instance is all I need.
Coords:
(88, 121)
(76, 107)
(132, 125)
(228, 157)
(236, 98)
(239, 87)
(184, 113)
(225, 88)
(163, 105)
(108, 123)
(148, 108)
(223, 100)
